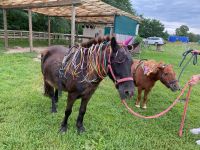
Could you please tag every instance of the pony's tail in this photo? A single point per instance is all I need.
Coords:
(44, 55)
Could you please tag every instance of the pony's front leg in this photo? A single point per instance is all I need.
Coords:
(56, 95)
(70, 101)
(82, 110)
(144, 104)
(137, 103)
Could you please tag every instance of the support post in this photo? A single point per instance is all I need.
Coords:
(5, 29)
(73, 25)
(49, 30)
(30, 30)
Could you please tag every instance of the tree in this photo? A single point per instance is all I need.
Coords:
(182, 30)
(122, 4)
(152, 27)
(193, 37)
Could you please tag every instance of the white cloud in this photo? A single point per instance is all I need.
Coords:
(171, 27)
(171, 13)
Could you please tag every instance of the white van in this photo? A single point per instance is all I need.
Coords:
(154, 41)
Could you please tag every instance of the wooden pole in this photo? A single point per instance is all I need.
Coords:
(73, 25)
(5, 29)
(49, 30)
(30, 30)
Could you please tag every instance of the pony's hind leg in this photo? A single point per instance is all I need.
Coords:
(49, 91)
(70, 101)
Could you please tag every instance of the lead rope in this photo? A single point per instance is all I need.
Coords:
(166, 110)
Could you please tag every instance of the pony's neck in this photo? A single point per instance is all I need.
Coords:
(158, 75)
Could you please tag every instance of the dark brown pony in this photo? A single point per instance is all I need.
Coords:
(79, 71)
(145, 75)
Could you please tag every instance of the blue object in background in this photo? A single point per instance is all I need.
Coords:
(175, 38)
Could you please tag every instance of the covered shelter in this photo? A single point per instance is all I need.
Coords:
(78, 11)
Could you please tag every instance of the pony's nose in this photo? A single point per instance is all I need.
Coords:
(176, 87)
(128, 93)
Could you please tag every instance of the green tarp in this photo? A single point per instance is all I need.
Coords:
(125, 25)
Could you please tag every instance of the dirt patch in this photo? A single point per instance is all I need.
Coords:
(26, 50)
(38, 58)
(18, 49)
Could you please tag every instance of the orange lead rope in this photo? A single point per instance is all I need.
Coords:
(185, 111)
(166, 110)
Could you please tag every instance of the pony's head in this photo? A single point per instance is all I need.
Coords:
(121, 61)
(166, 74)
(168, 77)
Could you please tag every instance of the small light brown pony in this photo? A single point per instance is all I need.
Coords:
(146, 73)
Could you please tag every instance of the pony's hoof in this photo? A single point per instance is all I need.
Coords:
(81, 130)
(53, 111)
(138, 106)
(144, 107)
(63, 130)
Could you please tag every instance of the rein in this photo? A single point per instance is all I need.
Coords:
(185, 54)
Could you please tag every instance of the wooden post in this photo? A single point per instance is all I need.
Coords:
(5, 28)
(73, 25)
(30, 30)
(158, 47)
(49, 30)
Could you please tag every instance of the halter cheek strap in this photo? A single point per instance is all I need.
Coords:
(117, 81)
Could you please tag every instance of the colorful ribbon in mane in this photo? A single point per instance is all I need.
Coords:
(91, 63)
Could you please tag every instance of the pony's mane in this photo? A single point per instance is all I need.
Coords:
(89, 60)
(95, 41)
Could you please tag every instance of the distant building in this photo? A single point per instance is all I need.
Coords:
(174, 38)
(123, 27)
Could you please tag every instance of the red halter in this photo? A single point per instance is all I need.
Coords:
(117, 81)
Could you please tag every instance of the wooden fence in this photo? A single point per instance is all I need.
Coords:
(18, 34)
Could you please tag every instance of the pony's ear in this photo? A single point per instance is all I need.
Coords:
(161, 65)
(130, 47)
(114, 44)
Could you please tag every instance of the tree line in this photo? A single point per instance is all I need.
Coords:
(183, 30)
(18, 20)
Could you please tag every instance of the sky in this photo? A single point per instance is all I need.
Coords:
(172, 13)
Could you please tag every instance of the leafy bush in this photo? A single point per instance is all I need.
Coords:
(138, 39)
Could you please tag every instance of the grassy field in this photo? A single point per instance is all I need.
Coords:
(26, 121)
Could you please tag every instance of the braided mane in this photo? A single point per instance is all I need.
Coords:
(89, 60)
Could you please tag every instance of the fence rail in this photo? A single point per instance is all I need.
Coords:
(19, 34)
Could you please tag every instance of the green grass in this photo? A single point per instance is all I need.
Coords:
(26, 121)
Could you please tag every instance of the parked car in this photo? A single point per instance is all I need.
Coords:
(154, 41)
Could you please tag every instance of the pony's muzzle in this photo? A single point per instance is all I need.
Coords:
(128, 93)
(175, 87)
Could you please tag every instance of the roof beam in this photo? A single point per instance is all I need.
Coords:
(43, 5)
(85, 16)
